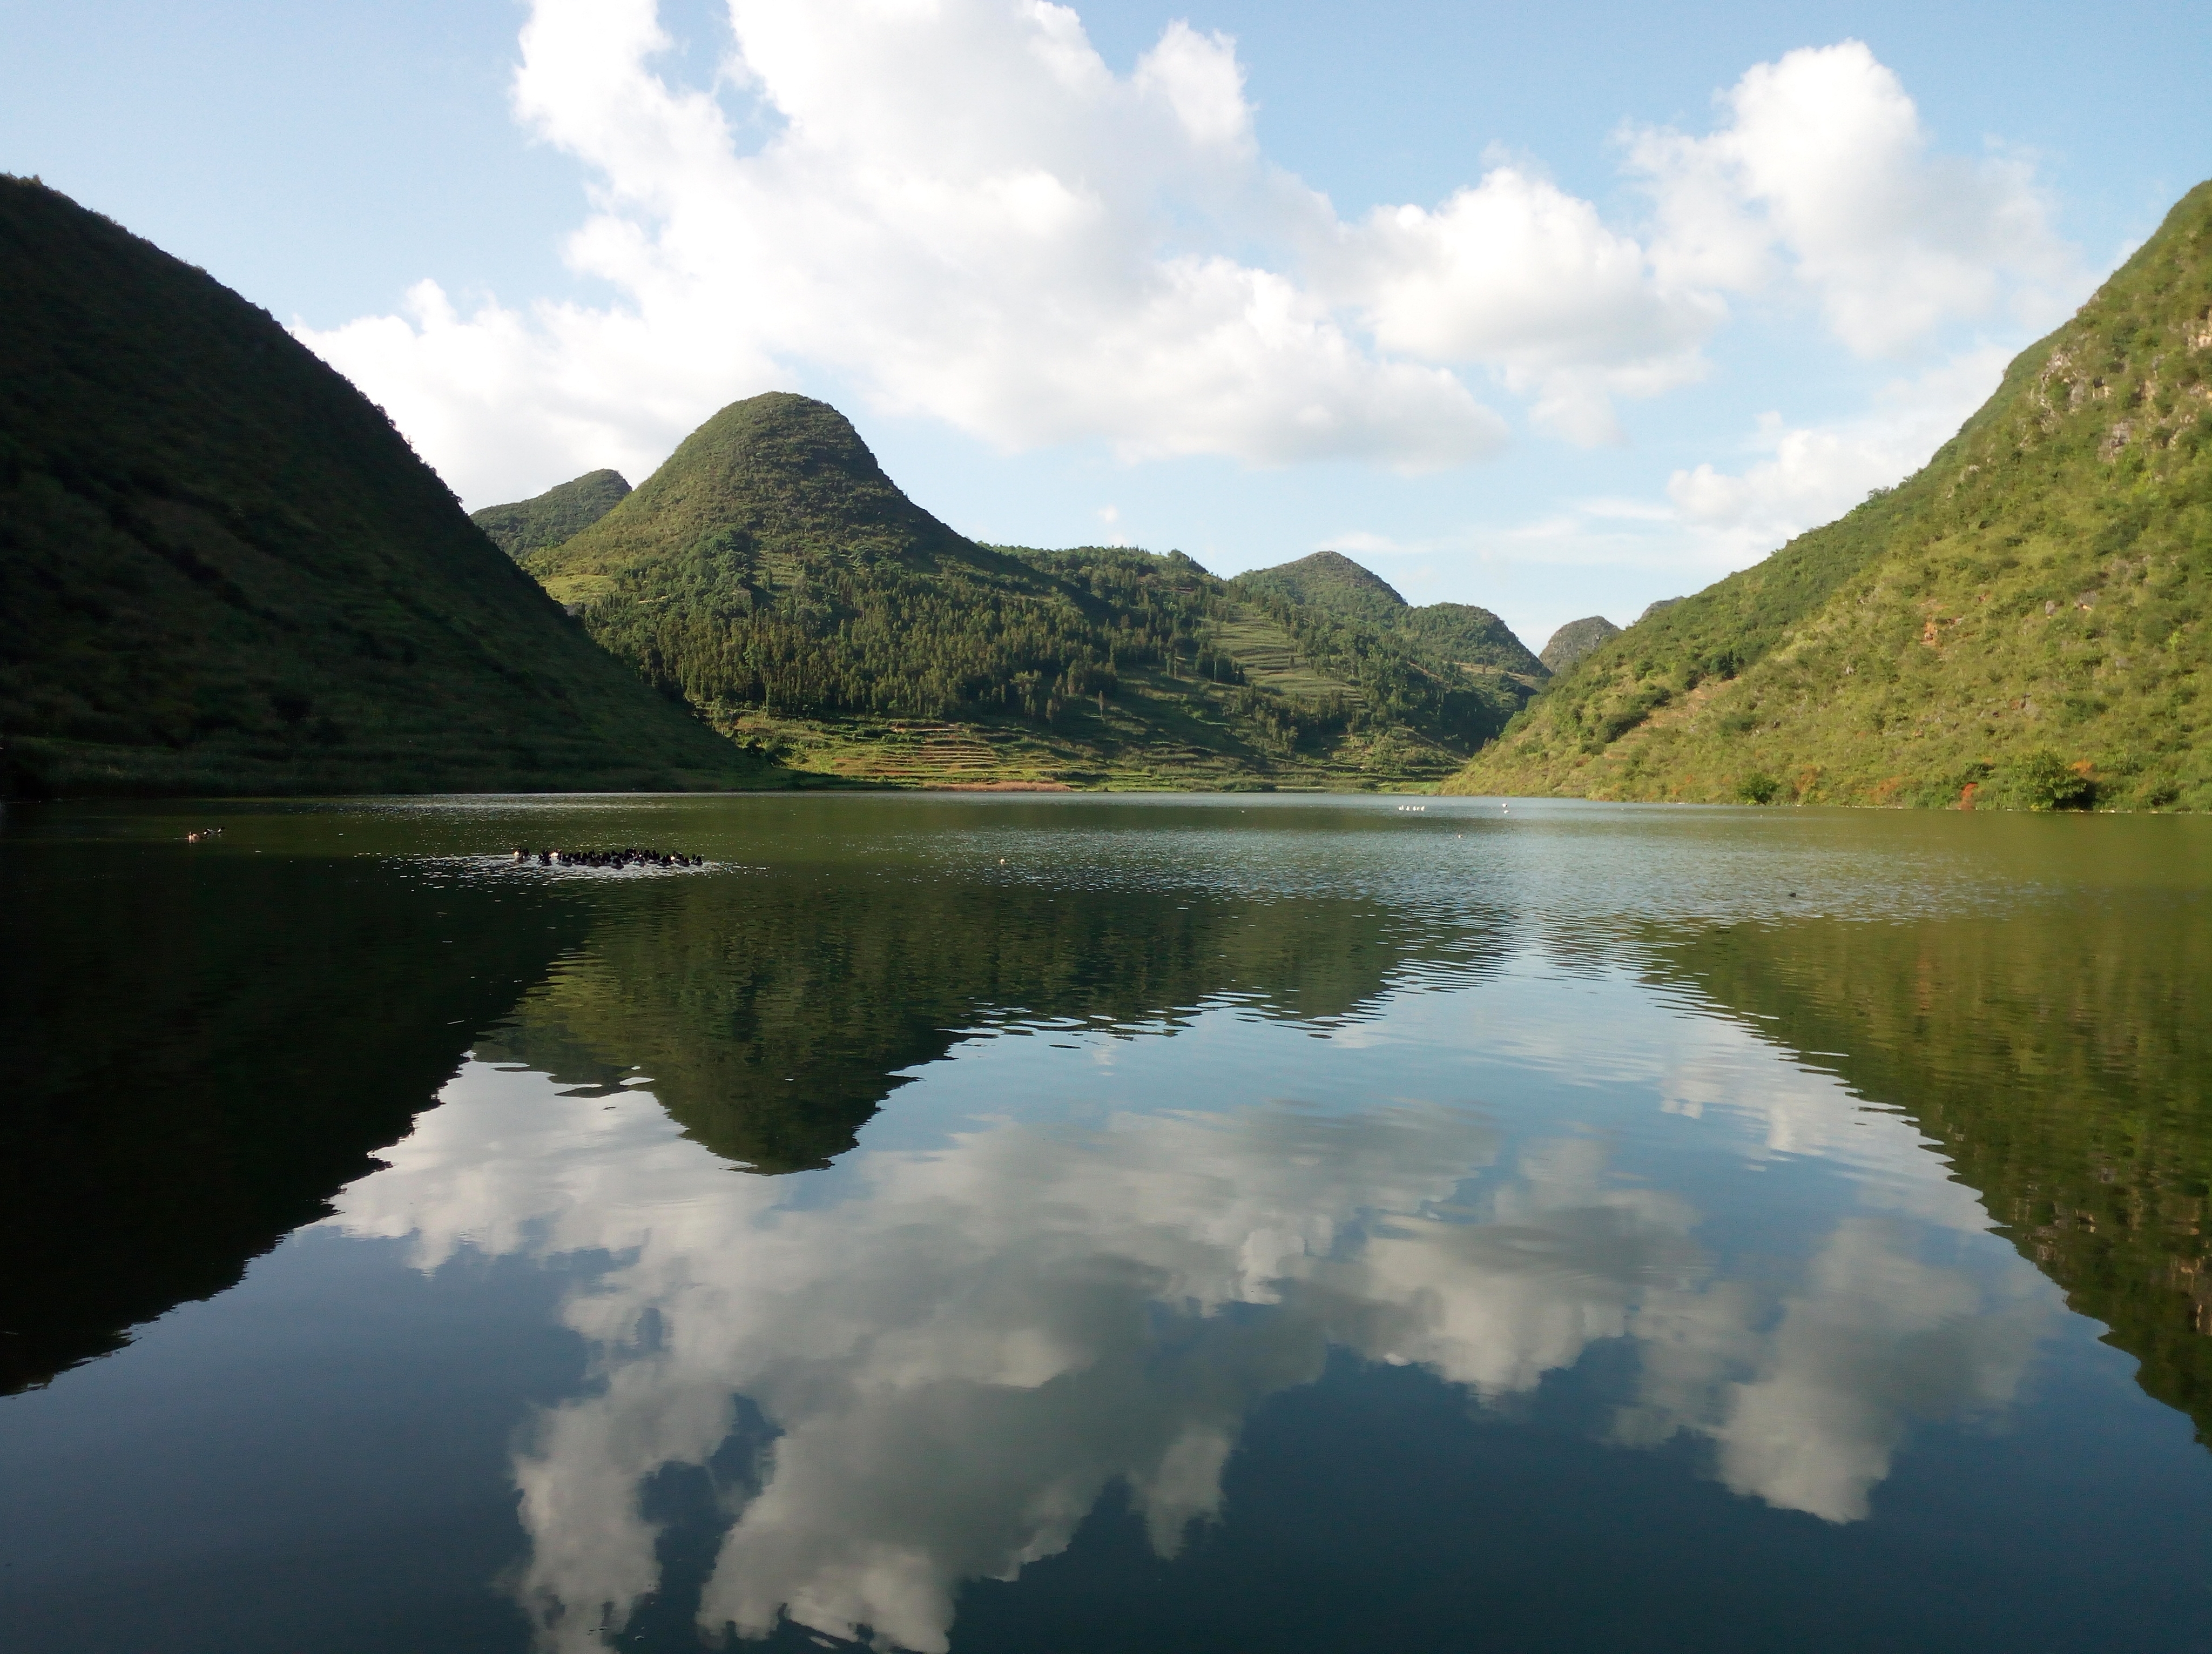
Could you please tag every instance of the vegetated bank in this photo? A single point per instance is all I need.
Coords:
(2021, 623)
(771, 574)
(222, 570)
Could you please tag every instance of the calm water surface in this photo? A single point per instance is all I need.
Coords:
(1097, 1225)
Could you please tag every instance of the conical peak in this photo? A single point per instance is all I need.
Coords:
(1333, 568)
(789, 473)
(780, 430)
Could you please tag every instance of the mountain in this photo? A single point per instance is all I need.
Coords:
(1574, 640)
(1456, 633)
(2020, 624)
(1330, 580)
(222, 570)
(557, 514)
(771, 573)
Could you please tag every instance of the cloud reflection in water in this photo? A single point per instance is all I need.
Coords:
(960, 1349)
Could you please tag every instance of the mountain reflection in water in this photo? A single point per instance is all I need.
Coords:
(976, 1224)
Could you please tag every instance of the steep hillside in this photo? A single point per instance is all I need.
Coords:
(1574, 640)
(2020, 624)
(773, 576)
(1455, 634)
(557, 514)
(221, 570)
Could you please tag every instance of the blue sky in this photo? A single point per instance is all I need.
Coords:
(1554, 311)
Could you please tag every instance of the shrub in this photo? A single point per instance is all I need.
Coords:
(2040, 780)
(1758, 788)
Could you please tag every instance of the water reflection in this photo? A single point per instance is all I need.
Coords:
(202, 1048)
(2061, 1059)
(929, 1369)
(882, 1302)
(775, 1009)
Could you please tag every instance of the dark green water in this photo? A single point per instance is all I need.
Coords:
(1088, 1225)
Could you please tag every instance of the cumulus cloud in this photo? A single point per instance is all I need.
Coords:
(962, 211)
(1517, 274)
(1823, 176)
(960, 208)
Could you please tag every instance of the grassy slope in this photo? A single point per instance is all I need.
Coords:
(556, 515)
(221, 570)
(2024, 616)
(775, 577)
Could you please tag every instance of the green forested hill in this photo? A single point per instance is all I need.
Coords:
(1475, 640)
(2021, 623)
(773, 576)
(1330, 580)
(221, 570)
(557, 514)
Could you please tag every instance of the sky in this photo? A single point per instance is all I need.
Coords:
(1555, 310)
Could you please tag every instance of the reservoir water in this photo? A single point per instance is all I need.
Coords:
(1086, 1225)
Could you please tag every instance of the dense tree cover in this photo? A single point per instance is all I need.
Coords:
(1454, 633)
(1398, 679)
(222, 570)
(556, 515)
(770, 566)
(2028, 608)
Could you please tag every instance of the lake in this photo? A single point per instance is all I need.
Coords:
(1099, 1225)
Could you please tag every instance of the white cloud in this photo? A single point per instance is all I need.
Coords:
(1814, 473)
(961, 211)
(1515, 273)
(1823, 175)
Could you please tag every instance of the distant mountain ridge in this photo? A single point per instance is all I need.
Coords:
(2021, 622)
(1329, 580)
(1574, 640)
(222, 570)
(559, 514)
(774, 576)
(1458, 632)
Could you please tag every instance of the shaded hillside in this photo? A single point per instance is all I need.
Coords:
(557, 514)
(221, 570)
(2066, 1071)
(1574, 640)
(177, 1106)
(1456, 635)
(2019, 623)
(773, 576)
